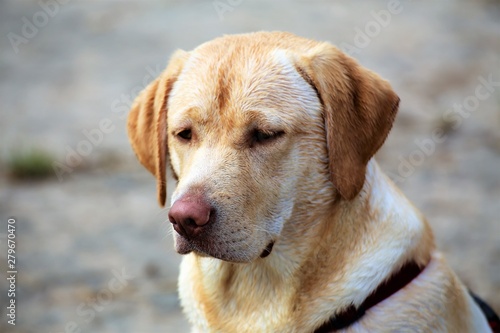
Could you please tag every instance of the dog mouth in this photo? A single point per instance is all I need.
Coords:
(267, 251)
(185, 246)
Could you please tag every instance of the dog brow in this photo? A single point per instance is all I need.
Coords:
(191, 114)
(265, 118)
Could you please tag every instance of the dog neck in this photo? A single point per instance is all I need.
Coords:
(351, 314)
(328, 259)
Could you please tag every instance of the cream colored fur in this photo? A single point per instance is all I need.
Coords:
(339, 225)
(269, 296)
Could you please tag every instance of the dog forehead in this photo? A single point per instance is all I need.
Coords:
(241, 82)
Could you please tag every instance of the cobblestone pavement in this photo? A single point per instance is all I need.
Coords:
(94, 250)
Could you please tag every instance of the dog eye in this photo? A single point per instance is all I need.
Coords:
(263, 137)
(185, 134)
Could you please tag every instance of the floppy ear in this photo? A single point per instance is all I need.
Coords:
(358, 109)
(147, 123)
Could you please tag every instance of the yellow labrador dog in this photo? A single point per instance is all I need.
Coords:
(286, 222)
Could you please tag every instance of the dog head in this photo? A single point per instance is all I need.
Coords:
(251, 123)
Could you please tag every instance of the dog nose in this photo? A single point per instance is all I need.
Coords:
(189, 215)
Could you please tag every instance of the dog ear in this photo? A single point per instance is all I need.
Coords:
(358, 109)
(147, 123)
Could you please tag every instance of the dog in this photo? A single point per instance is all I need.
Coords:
(285, 219)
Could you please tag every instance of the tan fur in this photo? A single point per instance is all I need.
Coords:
(147, 124)
(339, 225)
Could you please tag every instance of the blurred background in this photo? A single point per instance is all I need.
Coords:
(94, 250)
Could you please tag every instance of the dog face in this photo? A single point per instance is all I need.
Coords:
(236, 126)
(251, 122)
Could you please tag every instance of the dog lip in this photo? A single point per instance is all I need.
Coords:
(267, 251)
(183, 246)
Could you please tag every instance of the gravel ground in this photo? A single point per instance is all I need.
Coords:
(94, 252)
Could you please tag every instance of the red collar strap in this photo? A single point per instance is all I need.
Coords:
(350, 315)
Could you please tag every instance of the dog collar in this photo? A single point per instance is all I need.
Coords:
(351, 314)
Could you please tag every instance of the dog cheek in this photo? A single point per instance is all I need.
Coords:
(175, 164)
